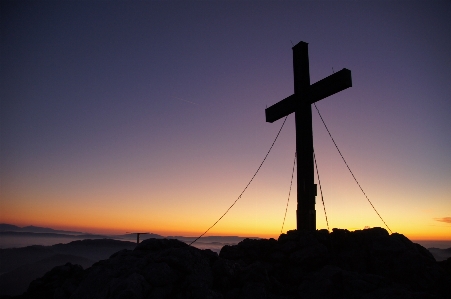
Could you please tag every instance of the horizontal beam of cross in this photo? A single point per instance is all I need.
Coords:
(320, 90)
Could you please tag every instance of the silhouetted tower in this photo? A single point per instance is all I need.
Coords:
(300, 103)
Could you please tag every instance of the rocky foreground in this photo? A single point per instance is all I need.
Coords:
(362, 264)
(20, 266)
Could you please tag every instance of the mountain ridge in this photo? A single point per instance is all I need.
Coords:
(361, 264)
(20, 266)
(33, 229)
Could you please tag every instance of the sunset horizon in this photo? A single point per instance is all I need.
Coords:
(164, 233)
(150, 116)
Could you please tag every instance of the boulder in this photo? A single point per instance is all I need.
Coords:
(368, 263)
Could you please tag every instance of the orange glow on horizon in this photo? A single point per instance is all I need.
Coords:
(263, 221)
(118, 229)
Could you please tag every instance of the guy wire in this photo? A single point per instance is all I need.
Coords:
(264, 159)
(336, 146)
(289, 192)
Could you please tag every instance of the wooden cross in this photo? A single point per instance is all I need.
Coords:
(300, 103)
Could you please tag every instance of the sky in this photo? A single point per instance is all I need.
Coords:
(121, 116)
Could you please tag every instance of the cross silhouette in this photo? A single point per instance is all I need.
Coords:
(300, 103)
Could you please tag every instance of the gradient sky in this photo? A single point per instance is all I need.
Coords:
(149, 115)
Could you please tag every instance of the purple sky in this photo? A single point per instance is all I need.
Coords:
(156, 109)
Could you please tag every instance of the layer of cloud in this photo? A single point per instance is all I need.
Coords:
(444, 219)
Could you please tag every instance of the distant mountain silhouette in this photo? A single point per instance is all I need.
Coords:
(440, 254)
(300, 264)
(20, 266)
(33, 229)
(50, 235)
(8, 227)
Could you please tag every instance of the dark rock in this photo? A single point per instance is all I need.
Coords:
(159, 244)
(20, 266)
(60, 282)
(446, 265)
(16, 282)
(310, 257)
(12, 258)
(363, 264)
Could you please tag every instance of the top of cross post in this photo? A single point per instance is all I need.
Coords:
(300, 45)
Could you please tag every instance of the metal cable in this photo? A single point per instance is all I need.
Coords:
(350, 168)
(264, 159)
(289, 192)
(320, 189)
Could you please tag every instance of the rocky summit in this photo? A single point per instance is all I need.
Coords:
(368, 263)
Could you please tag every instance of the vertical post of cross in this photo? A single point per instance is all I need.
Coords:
(300, 103)
(306, 189)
